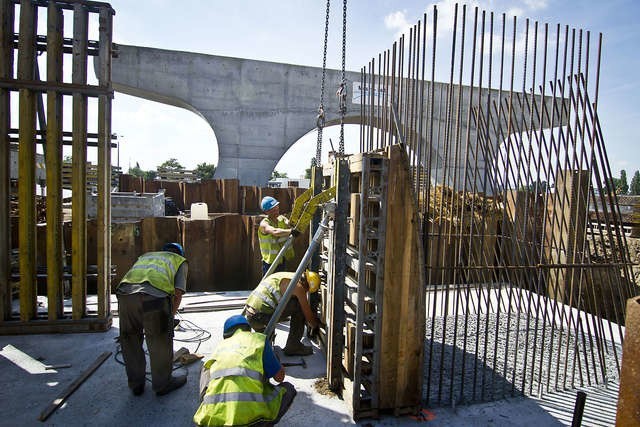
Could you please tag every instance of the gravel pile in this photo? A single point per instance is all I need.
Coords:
(508, 357)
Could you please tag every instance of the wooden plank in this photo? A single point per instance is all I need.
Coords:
(73, 386)
(79, 161)
(41, 326)
(53, 159)
(26, 162)
(628, 409)
(404, 300)
(104, 164)
(7, 11)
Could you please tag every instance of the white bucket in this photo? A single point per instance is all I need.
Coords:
(199, 211)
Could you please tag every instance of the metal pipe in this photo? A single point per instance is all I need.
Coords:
(329, 210)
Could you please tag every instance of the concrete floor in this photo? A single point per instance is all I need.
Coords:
(104, 399)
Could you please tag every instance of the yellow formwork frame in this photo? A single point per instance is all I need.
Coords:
(30, 88)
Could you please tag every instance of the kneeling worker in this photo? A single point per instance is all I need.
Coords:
(148, 297)
(264, 299)
(235, 381)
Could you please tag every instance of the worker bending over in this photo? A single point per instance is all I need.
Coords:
(273, 232)
(264, 299)
(148, 297)
(235, 387)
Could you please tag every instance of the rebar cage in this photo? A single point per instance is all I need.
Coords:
(525, 289)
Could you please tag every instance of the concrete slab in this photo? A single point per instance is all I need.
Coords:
(104, 399)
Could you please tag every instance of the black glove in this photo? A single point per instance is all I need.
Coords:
(313, 333)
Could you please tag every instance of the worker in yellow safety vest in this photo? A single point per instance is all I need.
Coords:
(273, 232)
(264, 299)
(148, 297)
(235, 386)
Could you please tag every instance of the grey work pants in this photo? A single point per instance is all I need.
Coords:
(143, 316)
(259, 321)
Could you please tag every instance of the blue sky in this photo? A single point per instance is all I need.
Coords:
(291, 31)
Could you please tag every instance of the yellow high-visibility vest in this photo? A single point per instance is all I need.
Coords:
(265, 297)
(157, 268)
(238, 393)
(270, 245)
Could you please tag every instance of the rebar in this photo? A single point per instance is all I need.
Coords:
(525, 288)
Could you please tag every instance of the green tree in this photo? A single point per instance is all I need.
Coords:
(136, 171)
(635, 184)
(275, 174)
(150, 175)
(171, 165)
(205, 170)
(307, 172)
(623, 187)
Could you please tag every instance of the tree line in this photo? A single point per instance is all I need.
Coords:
(202, 170)
(623, 188)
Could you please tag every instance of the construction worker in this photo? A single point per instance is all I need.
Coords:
(235, 387)
(273, 232)
(264, 299)
(148, 297)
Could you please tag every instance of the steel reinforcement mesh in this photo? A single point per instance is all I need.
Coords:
(527, 266)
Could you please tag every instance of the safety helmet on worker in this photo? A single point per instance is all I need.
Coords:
(313, 280)
(174, 247)
(234, 322)
(268, 203)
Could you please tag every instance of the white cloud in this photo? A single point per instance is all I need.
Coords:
(536, 4)
(397, 21)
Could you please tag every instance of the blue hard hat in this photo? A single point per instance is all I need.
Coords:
(268, 203)
(232, 323)
(173, 247)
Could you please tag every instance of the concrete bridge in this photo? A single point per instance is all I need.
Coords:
(257, 109)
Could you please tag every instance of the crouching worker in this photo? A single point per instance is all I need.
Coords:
(148, 297)
(235, 387)
(264, 299)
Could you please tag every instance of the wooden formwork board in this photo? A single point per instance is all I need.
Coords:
(404, 298)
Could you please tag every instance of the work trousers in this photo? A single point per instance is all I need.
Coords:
(266, 266)
(142, 317)
(259, 321)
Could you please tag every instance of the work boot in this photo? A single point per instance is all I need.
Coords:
(138, 390)
(298, 349)
(174, 383)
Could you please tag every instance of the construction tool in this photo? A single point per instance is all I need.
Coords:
(300, 363)
(329, 213)
(303, 210)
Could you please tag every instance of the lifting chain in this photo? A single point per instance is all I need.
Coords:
(320, 118)
(342, 90)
